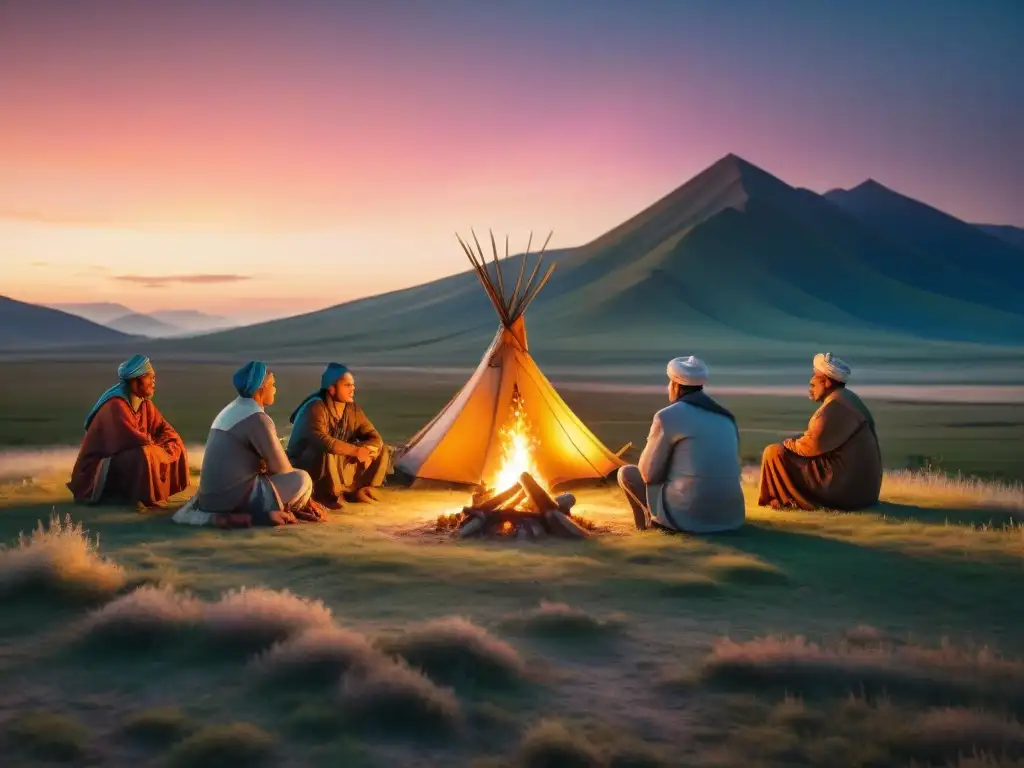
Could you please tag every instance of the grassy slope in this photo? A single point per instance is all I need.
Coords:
(633, 658)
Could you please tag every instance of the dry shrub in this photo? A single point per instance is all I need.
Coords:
(59, 559)
(559, 620)
(945, 734)
(942, 675)
(455, 650)
(317, 656)
(158, 727)
(253, 619)
(220, 745)
(141, 619)
(391, 698)
(551, 744)
(47, 736)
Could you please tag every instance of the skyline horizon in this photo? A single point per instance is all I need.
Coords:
(294, 155)
(255, 317)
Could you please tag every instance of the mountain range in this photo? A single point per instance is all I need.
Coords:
(154, 324)
(734, 261)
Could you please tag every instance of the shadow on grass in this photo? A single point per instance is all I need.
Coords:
(975, 518)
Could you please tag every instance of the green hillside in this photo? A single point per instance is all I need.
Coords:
(732, 264)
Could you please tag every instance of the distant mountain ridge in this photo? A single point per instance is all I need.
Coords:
(155, 324)
(31, 327)
(1012, 235)
(735, 258)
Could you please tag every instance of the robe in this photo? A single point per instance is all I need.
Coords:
(245, 470)
(835, 464)
(324, 440)
(691, 467)
(130, 456)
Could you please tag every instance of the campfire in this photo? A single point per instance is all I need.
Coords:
(517, 501)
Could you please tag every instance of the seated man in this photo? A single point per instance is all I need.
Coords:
(246, 476)
(836, 463)
(129, 453)
(336, 443)
(688, 478)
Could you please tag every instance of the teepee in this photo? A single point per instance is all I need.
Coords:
(508, 417)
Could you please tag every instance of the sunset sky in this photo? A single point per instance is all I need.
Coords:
(276, 157)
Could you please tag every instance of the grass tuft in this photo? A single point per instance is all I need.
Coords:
(943, 675)
(551, 744)
(61, 560)
(562, 621)
(141, 619)
(317, 656)
(254, 619)
(214, 746)
(393, 698)
(158, 727)
(47, 736)
(454, 650)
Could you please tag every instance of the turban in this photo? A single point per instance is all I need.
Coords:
(250, 377)
(831, 366)
(688, 371)
(133, 367)
(332, 373)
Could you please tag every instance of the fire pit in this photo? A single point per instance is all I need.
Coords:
(517, 502)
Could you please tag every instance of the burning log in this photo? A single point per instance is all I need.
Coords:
(525, 512)
(538, 496)
(561, 524)
(498, 499)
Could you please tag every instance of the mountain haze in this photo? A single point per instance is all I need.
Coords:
(26, 326)
(139, 324)
(735, 260)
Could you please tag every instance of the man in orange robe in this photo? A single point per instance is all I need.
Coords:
(836, 462)
(129, 453)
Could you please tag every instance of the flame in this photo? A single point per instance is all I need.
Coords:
(517, 449)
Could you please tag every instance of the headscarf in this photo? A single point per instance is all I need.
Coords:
(688, 371)
(249, 378)
(828, 364)
(132, 368)
(332, 373)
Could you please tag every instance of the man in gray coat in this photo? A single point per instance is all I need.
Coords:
(688, 476)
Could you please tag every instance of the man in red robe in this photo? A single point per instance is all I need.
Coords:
(129, 453)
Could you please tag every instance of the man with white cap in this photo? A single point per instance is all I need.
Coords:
(835, 463)
(688, 476)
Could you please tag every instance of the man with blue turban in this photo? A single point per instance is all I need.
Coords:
(246, 477)
(335, 442)
(835, 463)
(129, 453)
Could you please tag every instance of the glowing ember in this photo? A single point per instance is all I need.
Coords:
(517, 449)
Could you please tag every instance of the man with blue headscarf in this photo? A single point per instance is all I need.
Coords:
(335, 442)
(246, 477)
(129, 453)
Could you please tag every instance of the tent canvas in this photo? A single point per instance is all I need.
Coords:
(463, 443)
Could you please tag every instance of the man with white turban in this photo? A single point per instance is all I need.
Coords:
(835, 463)
(688, 476)
(129, 453)
(246, 477)
(334, 440)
